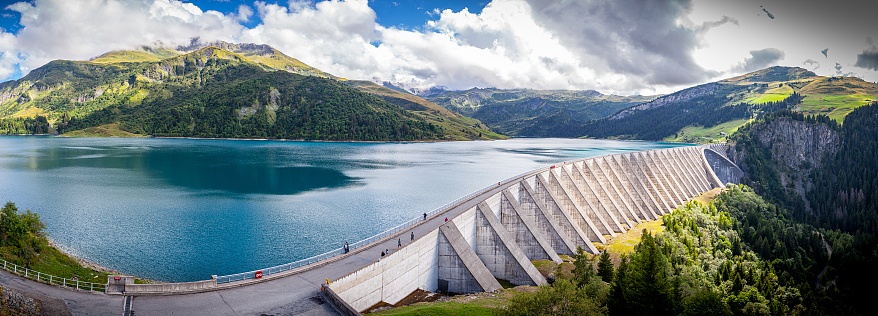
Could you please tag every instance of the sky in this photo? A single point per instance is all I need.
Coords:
(621, 47)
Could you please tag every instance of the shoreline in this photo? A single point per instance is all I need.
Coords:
(93, 265)
(83, 262)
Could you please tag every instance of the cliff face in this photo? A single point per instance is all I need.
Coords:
(795, 147)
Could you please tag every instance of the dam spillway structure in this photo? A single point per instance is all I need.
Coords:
(494, 234)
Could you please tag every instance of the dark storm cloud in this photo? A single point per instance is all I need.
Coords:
(632, 37)
(825, 52)
(761, 58)
(868, 59)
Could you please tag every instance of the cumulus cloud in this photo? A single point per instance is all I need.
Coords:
(761, 58)
(624, 46)
(61, 29)
(614, 36)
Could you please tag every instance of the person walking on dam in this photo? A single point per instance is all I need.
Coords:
(413, 236)
(399, 243)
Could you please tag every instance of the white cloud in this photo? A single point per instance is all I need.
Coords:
(60, 29)
(624, 46)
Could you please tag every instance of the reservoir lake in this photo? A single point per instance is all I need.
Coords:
(184, 209)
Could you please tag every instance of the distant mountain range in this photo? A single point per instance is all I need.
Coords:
(255, 91)
(700, 114)
(219, 90)
(534, 113)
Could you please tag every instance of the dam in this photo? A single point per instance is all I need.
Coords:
(466, 246)
(538, 215)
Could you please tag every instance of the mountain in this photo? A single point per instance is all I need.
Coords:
(712, 111)
(215, 90)
(535, 113)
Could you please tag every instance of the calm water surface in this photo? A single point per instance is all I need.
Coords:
(182, 209)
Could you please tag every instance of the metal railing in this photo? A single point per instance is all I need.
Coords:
(362, 243)
(51, 279)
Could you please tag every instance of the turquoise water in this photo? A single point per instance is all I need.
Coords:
(183, 209)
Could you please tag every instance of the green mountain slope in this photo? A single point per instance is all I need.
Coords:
(453, 124)
(540, 113)
(712, 111)
(229, 90)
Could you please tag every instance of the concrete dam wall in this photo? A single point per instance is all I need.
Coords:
(538, 215)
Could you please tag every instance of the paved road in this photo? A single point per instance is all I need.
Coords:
(293, 295)
(77, 302)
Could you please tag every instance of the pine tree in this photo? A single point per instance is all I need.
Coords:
(605, 267)
(648, 287)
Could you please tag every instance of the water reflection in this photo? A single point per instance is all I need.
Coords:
(226, 169)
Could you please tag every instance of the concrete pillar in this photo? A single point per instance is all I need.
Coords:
(663, 184)
(654, 190)
(529, 238)
(596, 180)
(497, 249)
(682, 173)
(593, 229)
(620, 180)
(570, 227)
(668, 175)
(460, 269)
(637, 187)
(697, 177)
(588, 204)
(530, 208)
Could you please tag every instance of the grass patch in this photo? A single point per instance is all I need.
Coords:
(701, 134)
(467, 305)
(771, 95)
(30, 112)
(108, 130)
(624, 244)
(53, 261)
(836, 106)
(709, 196)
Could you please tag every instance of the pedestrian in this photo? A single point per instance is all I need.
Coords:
(413, 235)
(347, 248)
(382, 254)
(425, 216)
(399, 243)
(446, 219)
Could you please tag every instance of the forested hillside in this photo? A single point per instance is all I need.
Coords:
(838, 195)
(224, 90)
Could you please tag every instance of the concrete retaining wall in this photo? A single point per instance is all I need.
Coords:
(170, 288)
